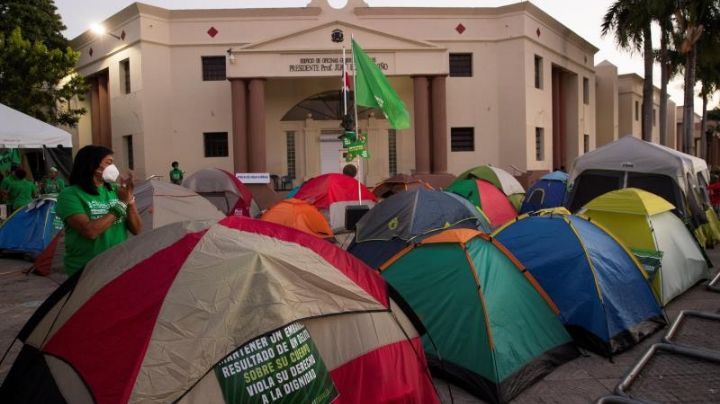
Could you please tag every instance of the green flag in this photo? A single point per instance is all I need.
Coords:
(373, 90)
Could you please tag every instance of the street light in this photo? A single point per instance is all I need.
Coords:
(100, 30)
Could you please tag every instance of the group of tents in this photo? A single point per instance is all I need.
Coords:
(482, 283)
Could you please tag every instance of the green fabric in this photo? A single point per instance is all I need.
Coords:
(436, 281)
(373, 90)
(53, 186)
(534, 328)
(516, 200)
(78, 249)
(5, 184)
(20, 193)
(8, 158)
(482, 173)
(176, 175)
(467, 189)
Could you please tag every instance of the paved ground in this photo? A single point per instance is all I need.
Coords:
(583, 380)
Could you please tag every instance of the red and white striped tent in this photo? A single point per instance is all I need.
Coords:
(331, 193)
(215, 312)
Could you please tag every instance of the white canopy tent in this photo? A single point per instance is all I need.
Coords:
(18, 130)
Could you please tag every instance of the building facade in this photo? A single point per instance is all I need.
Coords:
(257, 90)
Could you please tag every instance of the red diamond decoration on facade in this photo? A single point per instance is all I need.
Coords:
(212, 32)
(90, 52)
(460, 28)
(122, 35)
(538, 32)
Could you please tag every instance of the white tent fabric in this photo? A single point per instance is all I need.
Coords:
(510, 185)
(630, 154)
(683, 264)
(18, 130)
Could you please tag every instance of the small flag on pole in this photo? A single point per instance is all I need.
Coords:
(373, 90)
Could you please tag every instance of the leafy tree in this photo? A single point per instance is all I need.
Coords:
(630, 20)
(662, 12)
(36, 64)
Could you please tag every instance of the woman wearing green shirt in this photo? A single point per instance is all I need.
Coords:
(53, 184)
(98, 208)
(20, 191)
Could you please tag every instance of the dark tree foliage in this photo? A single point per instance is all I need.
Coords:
(37, 65)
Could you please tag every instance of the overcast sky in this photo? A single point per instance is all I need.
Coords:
(582, 16)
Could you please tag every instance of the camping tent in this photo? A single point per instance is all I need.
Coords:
(487, 197)
(490, 328)
(500, 178)
(30, 229)
(408, 217)
(399, 183)
(331, 193)
(599, 287)
(645, 224)
(224, 190)
(159, 203)
(25, 132)
(547, 192)
(630, 162)
(236, 311)
(299, 215)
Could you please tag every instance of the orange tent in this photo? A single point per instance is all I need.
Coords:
(300, 215)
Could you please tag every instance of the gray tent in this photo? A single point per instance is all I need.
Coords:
(632, 162)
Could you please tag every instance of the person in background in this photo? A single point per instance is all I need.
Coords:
(350, 170)
(176, 174)
(98, 208)
(52, 184)
(5, 183)
(21, 191)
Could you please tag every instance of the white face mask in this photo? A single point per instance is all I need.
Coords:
(110, 173)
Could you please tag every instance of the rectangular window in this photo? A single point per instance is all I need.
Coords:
(538, 72)
(216, 144)
(129, 152)
(462, 139)
(461, 65)
(586, 91)
(213, 68)
(539, 144)
(290, 144)
(125, 76)
(586, 143)
(392, 151)
(637, 110)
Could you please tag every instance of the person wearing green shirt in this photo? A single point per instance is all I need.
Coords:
(5, 184)
(53, 184)
(176, 174)
(20, 191)
(98, 208)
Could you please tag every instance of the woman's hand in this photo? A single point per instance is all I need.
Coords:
(126, 189)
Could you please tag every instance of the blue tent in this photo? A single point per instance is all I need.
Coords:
(600, 289)
(408, 217)
(547, 192)
(30, 229)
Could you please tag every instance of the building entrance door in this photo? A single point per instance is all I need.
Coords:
(330, 152)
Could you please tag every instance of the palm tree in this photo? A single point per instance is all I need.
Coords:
(708, 74)
(692, 18)
(630, 20)
(662, 12)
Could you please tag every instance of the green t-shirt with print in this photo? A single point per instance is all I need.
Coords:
(20, 193)
(78, 249)
(53, 186)
(176, 176)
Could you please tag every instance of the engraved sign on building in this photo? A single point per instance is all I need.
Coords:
(321, 65)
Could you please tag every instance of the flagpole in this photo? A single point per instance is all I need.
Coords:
(344, 83)
(357, 124)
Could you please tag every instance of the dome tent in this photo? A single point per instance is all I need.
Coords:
(644, 222)
(490, 328)
(204, 295)
(407, 218)
(224, 190)
(601, 290)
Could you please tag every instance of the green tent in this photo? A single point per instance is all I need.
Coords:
(500, 178)
(490, 328)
